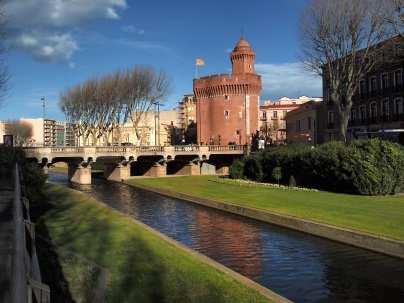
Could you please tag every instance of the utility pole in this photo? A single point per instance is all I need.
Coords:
(43, 107)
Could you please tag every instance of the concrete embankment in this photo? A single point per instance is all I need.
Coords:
(359, 239)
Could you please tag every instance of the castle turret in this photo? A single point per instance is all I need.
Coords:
(228, 105)
(242, 58)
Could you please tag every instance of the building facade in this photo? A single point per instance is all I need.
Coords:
(302, 123)
(186, 111)
(46, 132)
(378, 104)
(153, 129)
(273, 116)
(228, 104)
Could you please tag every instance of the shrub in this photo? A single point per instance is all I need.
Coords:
(292, 181)
(236, 169)
(369, 167)
(33, 177)
(277, 173)
(253, 169)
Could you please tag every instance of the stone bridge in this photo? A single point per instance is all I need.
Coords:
(121, 162)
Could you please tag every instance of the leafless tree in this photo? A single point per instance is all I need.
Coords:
(341, 42)
(144, 87)
(21, 131)
(395, 15)
(100, 105)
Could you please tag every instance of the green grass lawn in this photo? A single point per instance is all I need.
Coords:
(141, 266)
(382, 215)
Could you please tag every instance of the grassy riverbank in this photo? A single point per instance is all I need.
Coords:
(139, 265)
(381, 215)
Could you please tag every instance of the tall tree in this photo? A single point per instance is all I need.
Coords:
(341, 42)
(395, 15)
(101, 105)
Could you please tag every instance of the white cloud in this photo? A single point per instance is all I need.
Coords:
(288, 79)
(132, 30)
(46, 47)
(43, 27)
(60, 13)
(141, 44)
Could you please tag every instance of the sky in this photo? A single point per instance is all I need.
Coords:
(55, 44)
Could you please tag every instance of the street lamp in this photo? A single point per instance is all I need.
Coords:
(157, 105)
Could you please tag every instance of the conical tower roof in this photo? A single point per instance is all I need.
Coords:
(242, 45)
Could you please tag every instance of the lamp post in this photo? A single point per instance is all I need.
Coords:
(157, 122)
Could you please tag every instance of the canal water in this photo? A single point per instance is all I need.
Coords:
(301, 267)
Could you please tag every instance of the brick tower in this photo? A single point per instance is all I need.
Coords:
(228, 104)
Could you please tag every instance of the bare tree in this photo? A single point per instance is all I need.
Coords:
(395, 15)
(21, 131)
(144, 88)
(101, 105)
(341, 42)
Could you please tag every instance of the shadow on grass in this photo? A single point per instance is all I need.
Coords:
(139, 268)
(51, 269)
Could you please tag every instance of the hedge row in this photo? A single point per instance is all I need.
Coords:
(34, 178)
(368, 167)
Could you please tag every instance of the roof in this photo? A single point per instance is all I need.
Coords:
(242, 44)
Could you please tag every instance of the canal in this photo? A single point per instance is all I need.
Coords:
(298, 266)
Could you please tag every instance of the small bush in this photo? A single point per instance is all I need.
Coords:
(292, 181)
(236, 170)
(253, 169)
(277, 173)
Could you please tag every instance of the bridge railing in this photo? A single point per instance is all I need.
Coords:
(67, 150)
(225, 148)
(145, 149)
(186, 148)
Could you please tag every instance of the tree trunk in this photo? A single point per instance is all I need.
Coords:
(343, 124)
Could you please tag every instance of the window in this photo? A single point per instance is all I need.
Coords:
(226, 97)
(330, 117)
(385, 107)
(298, 126)
(284, 113)
(398, 78)
(373, 110)
(275, 114)
(362, 87)
(362, 112)
(353, 114)
(309, 123)
(385, 81)
(373, 84)
(264, 115)
(226, 114)
(398, 106)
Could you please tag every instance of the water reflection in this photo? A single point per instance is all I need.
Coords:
(301, 267)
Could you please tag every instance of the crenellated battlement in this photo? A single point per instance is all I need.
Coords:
(226, 84)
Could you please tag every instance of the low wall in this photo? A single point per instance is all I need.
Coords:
(359, 239)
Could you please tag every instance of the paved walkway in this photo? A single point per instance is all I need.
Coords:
(6, 240)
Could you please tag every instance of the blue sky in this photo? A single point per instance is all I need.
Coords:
(55, 44)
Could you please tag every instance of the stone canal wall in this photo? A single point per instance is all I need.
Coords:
(359, 239)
